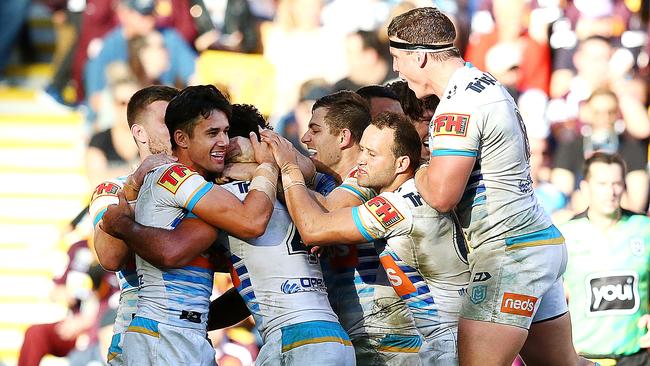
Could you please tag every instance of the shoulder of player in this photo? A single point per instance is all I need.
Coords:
(108, 187)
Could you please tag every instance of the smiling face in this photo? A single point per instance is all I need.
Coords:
(208, 144)
(322, 145)
(376, 164)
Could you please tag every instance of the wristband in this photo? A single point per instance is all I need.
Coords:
(290, 174)
(263, 178)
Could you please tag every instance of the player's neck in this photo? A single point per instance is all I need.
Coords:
(397, 182)
(602, 220)
(442, 74)
(348, 161)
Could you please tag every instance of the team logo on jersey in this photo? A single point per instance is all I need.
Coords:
(397, 278)
(518, 304)
(478, 294)
(106, 189)
(451, 124)
(479, 84)
(384, 212)
(174, 176)
(636, 246)
(613, 293)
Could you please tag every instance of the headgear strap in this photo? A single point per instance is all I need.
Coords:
(421, 47)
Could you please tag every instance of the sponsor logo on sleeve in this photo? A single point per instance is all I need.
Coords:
(106, 189)
(450, 124)
(613, 293)
(397, 278)
(384, 212)
(517, 304)
(174, 176)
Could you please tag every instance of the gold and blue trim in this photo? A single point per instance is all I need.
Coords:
(144, 326)
(360, 225)
(454, 152)
(549, 236)
(313, 332)
(398, 343)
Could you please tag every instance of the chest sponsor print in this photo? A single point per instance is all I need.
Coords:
(615, 292)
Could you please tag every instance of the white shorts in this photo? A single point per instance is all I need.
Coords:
(517, 281)
(147, 342)
(441, 350)
(388, 350)
(314, 343)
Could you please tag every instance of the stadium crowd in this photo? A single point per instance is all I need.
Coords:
(577, 70)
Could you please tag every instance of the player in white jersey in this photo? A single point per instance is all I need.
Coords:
(479, 164)
(425, 253)
(170, 323)
(378, 322)
(145, 115)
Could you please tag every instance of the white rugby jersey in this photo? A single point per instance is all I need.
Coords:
(425, 256)
(358, 287)
(477, 117)
(105, 194)
(279, 280)
(180, 296)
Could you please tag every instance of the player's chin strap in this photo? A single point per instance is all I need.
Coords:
(421, 46)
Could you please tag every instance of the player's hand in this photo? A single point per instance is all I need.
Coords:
(116, 217)
(240, 150)
(149, 163)
(262, 150)
(644, 322)
(283, 150)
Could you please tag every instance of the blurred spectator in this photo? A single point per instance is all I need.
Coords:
(606, 279)
(380, 99)
(300, 49)
(12, 17)
(294, 124)
(111, 152)
(603, 131)
(137, 19)
(229, 353)
(549, 196)
(510, 26)
(368, 62)
(233, 27)
(148, 58)
(73, 287)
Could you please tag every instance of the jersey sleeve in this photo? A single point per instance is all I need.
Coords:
(382, 217)
(180, 186)
(455, 134)
(351, 185)
(105, 194)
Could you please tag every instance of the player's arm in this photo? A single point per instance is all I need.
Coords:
(163, 248)
(442, 183)
(227, 310)
(111, 252)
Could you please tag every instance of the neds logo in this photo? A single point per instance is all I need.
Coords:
(613, 292)
(518, 304)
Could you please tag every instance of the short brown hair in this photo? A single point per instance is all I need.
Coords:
(603, 157)
(406, 141)
(413, 107)
(345, 109)
(144, 97)
(425, 26)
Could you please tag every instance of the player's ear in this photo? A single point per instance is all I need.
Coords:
(139, 133)
(421, 59)
(181, 139)
(345, 138)
(402, 164)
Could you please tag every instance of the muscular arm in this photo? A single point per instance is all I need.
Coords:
(112, 253)
(160, 247)
(245, 220)
(316, 225)
(227, 310)
(336, 200)
(443, 182)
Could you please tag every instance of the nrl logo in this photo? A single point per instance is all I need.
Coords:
(478, 294)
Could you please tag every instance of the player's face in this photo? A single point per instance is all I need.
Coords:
(406, 65)
(376, 164)
(378, 105)
(321, 144)
(605, 187)
(157, 133)
(208, 144)
(422, 127)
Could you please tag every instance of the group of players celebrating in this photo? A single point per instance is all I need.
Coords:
(357, 254)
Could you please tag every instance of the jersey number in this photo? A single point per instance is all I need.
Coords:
(522, 125)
